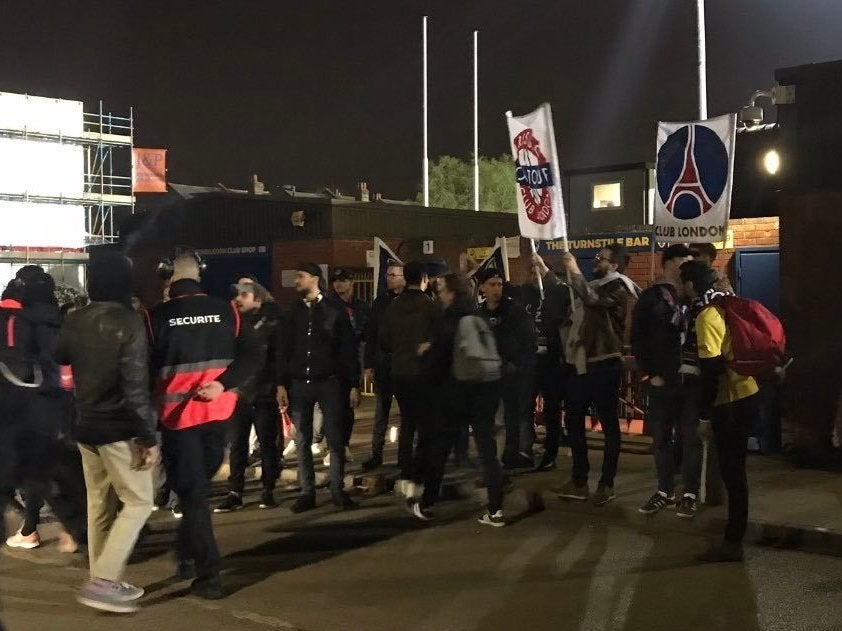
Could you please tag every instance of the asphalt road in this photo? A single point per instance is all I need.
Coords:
(378, 569)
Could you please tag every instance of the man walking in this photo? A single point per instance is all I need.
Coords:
(358, 312)
(411, 320)
(377, 363)
(594, 349)
(200, 353)
(514, 332)
(315, 360)
(106, 345)
(257, 406)
(658, 333)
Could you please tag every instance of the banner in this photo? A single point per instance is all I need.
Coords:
(383, 257)
(539, 199)
(694, 175)
(589, 245)
(498, 259)
(149, 170)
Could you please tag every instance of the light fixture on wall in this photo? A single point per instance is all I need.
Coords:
(772, 162)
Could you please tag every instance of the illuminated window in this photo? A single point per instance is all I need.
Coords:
(607, 195)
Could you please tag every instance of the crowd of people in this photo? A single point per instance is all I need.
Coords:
(157, 396)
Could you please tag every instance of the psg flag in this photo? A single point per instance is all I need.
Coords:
(497, 260)
(537, 175)
(694, 173)
(383, 258)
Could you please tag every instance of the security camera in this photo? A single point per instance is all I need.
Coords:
(751, 115)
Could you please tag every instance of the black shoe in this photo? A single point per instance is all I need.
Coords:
(267, 500)
(375, 462)
(231, 503)
(186, 570)
(547, 463)
(687, 507)
(161, 499)
(207, 588)
(304, 503)
(343, 502)
(725, 552)
(657, 502)
(520, 461)
(415, 509)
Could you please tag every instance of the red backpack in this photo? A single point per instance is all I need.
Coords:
(758, 341)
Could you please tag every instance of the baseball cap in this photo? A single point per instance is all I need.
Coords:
(340, 273)
(310, 268)
(489, 273)
(677, 251)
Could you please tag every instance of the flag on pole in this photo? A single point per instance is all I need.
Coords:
(694, 174)
(497, 260)
(539, 199)
(383, 257)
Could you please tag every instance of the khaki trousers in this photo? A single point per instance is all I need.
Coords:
(112, 533)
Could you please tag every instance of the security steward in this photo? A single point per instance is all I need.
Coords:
(200, 355)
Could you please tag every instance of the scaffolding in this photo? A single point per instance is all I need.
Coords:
(108, 141)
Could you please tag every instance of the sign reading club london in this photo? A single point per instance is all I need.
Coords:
(694, 175)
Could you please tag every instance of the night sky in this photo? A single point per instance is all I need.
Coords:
(318, 93)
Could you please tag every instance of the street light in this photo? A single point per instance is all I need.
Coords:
(772, 162)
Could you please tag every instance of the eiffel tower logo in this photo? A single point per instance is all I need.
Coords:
(689, 183)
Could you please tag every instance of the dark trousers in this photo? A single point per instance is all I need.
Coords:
(549, 381)
(671, 421)
(415, 403)
(348, 415)
(263, 415)
(303, 398)
(383, 392)
(731, 426)
(461, 404)
(599, 387)
(518, 413)
(193, 456)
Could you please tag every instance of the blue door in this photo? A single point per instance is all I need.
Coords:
(758, 276)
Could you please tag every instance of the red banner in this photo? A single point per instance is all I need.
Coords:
(149, 170)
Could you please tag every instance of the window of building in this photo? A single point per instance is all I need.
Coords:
(607, 195)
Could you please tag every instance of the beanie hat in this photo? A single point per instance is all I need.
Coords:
(110, 278)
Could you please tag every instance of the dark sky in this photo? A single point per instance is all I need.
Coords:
(323, 92)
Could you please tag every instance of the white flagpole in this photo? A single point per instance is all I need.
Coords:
(476, 122)
(425, 163)
(703, 79)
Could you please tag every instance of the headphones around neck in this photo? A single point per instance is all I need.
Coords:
(166, 266)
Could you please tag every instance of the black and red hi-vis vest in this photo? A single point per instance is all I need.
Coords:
(194, 340)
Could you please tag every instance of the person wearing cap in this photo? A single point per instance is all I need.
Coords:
(315, 357)
(658, 331)
(257, 406)
(358, 312)
(514, 330)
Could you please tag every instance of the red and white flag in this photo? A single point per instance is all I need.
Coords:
(538, 178)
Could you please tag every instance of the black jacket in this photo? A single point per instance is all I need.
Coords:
(106, 345)
(548, 314)
(265, 322)
(657, 331)
(359, 313)
(514, 331)
(316, 342)
(46, 323)
(411, 319)
(18, 350)
(197, 339)
(438, 361)
(373, 354)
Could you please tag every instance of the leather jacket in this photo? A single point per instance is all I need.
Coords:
(107, 347)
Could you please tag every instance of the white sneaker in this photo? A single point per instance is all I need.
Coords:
(316, 449)
(327, 459)
(28, 542)
(496, 520)
(289, 449)
(349, 457)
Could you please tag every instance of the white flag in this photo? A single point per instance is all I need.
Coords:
(694, 175)
(538, 178)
